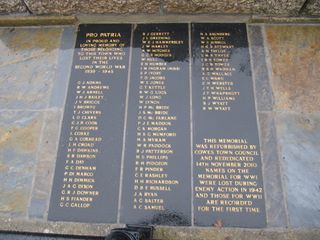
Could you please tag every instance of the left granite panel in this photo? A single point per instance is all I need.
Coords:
(29, 122)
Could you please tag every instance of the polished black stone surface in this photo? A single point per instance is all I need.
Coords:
(157, 152)
(227, 163)
(170, 131)
(86, 182)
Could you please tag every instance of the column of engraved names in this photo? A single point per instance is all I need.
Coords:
(218, 91)
(101, 54)
(154, 126)
(227, 171)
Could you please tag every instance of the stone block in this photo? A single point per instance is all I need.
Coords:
(93, 6)
(299, 136)
(272, 7)
(207, 6)
(275, 203)
(295, 61)
(12, 6)
(313, 8)
(263, 91)
(19, 140)
(277, 7)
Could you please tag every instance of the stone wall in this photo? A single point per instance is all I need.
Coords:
(34, 72)
(162, 7)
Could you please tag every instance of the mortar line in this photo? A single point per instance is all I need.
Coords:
(125, 126)
(270, 77)
(191, 122)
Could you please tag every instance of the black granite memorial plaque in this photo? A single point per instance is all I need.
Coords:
(153, 135)
(157, 164)
(227, 179)
(86, 182)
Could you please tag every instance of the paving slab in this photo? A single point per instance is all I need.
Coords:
(295, 62)
(20, 44)
(19, 139)
(299, 136)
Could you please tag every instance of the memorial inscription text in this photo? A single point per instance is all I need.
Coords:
(160, 127)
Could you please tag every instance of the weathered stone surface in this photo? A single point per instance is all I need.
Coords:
(12, 6)
(38, 207)
(19, 139)
(277, 7)
(50, 136)
(295, 60)
(300, 150)
(60, 85)
(93, 6)
(28, 63)
(52, 7)
(313, 8)
(20, 44)
(282, 7)
(45, 164)
(263, 92)
(163, 233)
(27, 85)
(234, 234)
(275, 203)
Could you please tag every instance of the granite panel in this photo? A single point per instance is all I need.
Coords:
(275, 205)
(263, 91)
(299, 136)
(19, 138)
(295, 59)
